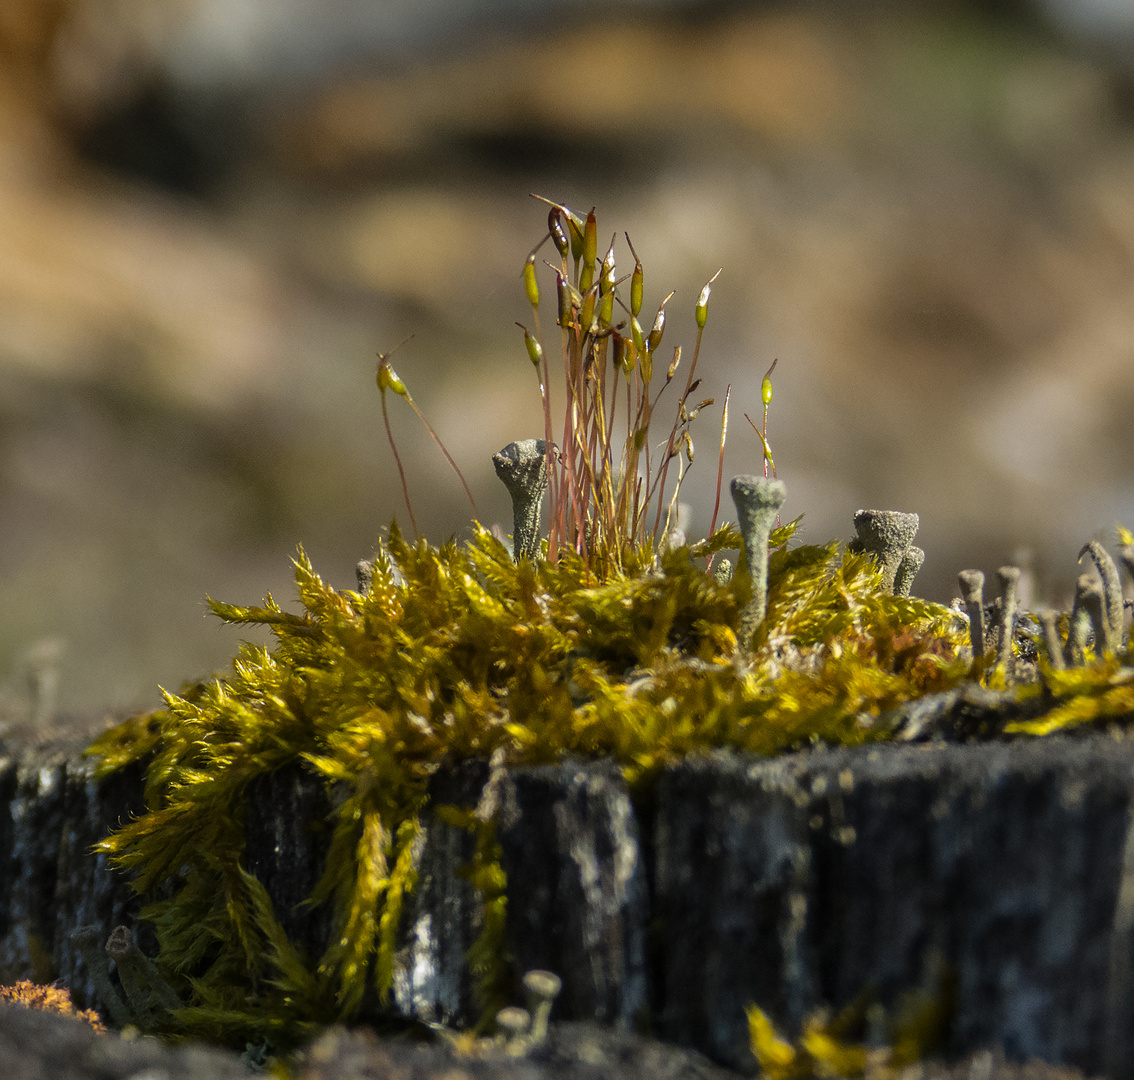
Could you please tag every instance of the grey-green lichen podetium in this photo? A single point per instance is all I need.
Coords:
(972, 592)
(522, 467)
(758, 500)
(1112, 599)
(888, 536)
(907, 570)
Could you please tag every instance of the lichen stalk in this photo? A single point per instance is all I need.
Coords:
(758, 501)
(364, 575)
(541, 989)
(1111, 594)
(1126, 555)
(1093, 600)
(88, 940)
(907, 570)
(513, 1023)
(1049, 621)
(521, 467)
(1009, 578)
(1080, 621)
(887, 535)
(972, 592)
(146, 988)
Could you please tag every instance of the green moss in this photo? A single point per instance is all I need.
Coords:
(458, 652)
(862, 1039)
(1092, 694)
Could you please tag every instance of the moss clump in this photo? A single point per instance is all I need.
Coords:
(1095, 694)
(608, 638)
(457, 652)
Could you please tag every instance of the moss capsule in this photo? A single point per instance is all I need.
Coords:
(606, 285)
(388, 378)
(766, 385)
(701, 312)
(619, 348)
(625, 355)
(674, 363)
(565, 298)
(535, 350)
(607, 278)
(635, 281)
(590, 252)
(623, 352)
(658, 330)
(636, 335)
(588, 313)
(556, 232)
(575, 227)
(531, 286)
(631, 356)
(606, 309)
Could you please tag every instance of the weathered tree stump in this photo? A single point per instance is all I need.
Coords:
(788, 883)
(805, 880)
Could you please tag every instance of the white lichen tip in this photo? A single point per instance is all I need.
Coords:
(542, 985)
(513, 1023)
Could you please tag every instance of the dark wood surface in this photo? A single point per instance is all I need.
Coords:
(1007, 867)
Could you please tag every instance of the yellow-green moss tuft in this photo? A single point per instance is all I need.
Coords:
(457, 652)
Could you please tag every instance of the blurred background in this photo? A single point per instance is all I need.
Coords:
(213, 213)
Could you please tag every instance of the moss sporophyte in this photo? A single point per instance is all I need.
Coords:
(607, 636)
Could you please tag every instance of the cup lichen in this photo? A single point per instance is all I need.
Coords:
(520, 466)
(758, 501)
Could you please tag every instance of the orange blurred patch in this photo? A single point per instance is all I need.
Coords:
(51, 998)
